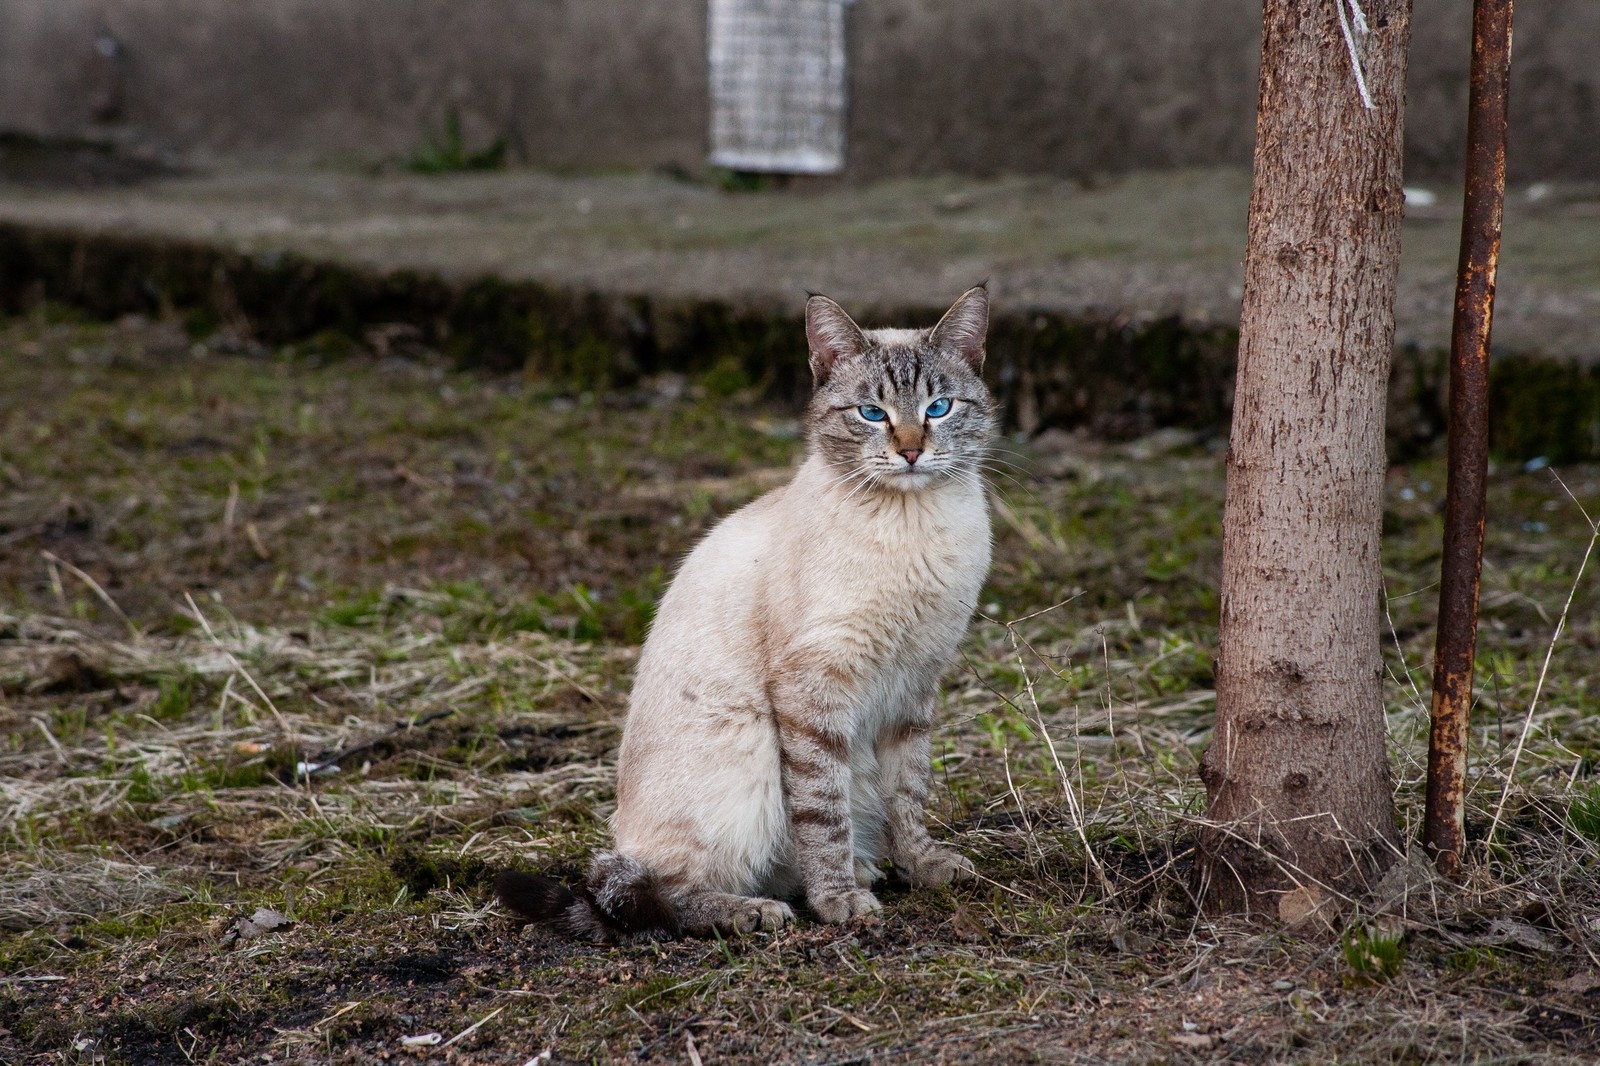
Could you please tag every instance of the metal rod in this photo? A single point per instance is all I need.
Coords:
(1445, 821)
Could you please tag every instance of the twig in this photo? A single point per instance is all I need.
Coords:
(239, 666)
(398, 728)
(54, 743)
(346, 1009)
(94, 586)
(1074, 804)
(473, 1028)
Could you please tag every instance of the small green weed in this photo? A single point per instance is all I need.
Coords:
(1584, 814)
(362, 610)
(1374, 954)
(444, 151)
(1471, 960)
(176, 697)
(725, 379)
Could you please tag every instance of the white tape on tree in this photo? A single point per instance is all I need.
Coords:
(1354, 25)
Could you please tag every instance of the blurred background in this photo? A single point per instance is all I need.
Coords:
(1057, 87)
(602, 190)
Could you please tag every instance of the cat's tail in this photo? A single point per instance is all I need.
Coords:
(619, 898)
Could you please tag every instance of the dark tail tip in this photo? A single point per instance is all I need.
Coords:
(537, 899)
(621, 899)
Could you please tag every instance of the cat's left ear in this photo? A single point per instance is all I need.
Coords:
(832, 336)
(964, 326)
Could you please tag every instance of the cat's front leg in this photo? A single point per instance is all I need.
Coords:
(814, 751)
(903, 756)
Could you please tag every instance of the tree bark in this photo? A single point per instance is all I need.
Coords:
(1297, 776)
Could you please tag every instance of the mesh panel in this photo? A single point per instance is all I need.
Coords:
(777, 85)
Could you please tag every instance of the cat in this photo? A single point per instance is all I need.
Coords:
(777, 738)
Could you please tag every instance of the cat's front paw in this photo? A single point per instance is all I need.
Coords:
(842, 906)
(938, 866)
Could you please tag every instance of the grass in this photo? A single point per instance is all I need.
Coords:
(339, 637)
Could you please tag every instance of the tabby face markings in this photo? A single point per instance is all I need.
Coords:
(900, 410)
(903, 432)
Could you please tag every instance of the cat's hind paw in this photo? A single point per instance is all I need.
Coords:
(709, 913)
(939, 866)
(763, 916)
(842, 906)
(867, 874)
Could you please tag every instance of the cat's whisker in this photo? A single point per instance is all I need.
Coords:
(1024, 486)
(868, 481)
(1019, 467)
(996, 461)
(843, 478)
(977, 480)
(989, 462)
(1013, 486)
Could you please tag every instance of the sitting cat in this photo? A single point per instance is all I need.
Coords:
(777, 735)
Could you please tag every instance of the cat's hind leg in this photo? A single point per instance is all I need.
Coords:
(703, 913)
(867, 815)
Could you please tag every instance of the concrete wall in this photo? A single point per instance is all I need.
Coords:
(1033, 86)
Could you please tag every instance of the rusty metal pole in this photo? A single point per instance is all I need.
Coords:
(1445, 821)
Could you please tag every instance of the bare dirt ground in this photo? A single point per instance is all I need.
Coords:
(295, 650)
(1147, 244)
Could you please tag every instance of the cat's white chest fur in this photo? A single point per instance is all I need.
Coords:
(890, 590)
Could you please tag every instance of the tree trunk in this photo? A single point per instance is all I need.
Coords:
(1298, 780)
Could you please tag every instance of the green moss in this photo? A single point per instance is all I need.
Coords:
(364, 885)
(365, 609)
(20, 950)
(1541, 407)
(421, 872)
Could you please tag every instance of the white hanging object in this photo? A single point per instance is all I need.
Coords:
(777, 85)
(1354, 25)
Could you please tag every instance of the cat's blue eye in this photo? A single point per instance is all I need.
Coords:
(873, 414)
(938, 408)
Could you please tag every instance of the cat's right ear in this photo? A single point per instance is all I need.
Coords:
(963, 327)
(832, 335)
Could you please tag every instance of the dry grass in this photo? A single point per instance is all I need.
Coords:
(351, 732)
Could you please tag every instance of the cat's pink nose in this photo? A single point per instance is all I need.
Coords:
(911, 455)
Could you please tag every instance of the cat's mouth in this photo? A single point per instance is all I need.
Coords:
(908, 478)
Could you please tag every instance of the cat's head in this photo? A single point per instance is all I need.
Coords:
(900, 409)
